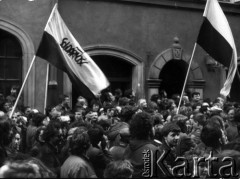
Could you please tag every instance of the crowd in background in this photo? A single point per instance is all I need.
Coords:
(118, 136)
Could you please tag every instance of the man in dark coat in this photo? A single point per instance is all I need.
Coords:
(141, 151)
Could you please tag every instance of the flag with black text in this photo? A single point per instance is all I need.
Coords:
(61, 49)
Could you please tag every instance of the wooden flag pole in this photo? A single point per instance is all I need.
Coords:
(46, 89)
(20, 92)
(189, 66)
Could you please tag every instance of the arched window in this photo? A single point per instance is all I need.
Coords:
(10, 62)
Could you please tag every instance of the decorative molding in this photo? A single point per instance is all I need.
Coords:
(28, 53)
(198, 5)
(154, 83)
(196, 84)
(138, 66)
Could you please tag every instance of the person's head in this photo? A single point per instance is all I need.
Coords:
(157, 119)
(15, 116)
(195, 96)
(79, 142)
(162, 94)
(27, 110)
(39, 133)
(118, 93)
(204, 108)
(152, 106)
(176, 98)
(127, 112)
(110, 96)
(185, 110)
(199, 119)
(220, 100)
(37, 119)
(123, 101)
(55, 113)
(156, 98)
(236, 119)
(211, 136)
(230, 113)
(171, 105)
(170, 133)
(217, 121)
(185, 144)
(82, 102)
(158, 122)
(95, 105)
(25, 168)
(109, 109)
(65, 100)
(91, 117)
(124, 135)
(52, 132)
(78, 114)
(7, 106)
(119, 169)
(6, 132)
(141, 126)
(16, 141)
(14, 90)
(181, 122)
(142, 103)
(95, 134)
(46, 121)
(129, 93)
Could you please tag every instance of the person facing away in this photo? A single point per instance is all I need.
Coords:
(98, 152)
(77, 165)
(119, 169)
(141, 144)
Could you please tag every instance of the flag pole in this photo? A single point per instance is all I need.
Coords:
(20, 92)
(46, 89)
(34, 57)
(189, 66)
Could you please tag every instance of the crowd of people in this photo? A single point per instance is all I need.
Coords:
(118, 136)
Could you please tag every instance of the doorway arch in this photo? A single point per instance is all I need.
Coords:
(170, 59)
(27, 55)
(173, 75)
(121, 56)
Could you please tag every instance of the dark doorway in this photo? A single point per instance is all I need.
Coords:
(10, 62)
(235, 88)
(117, 70)
(173, 75)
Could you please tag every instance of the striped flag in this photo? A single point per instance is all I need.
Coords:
(61, 49)
(216, 38)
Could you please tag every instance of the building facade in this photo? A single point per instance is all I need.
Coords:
(145, 45)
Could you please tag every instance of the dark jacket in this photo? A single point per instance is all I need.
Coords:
(48, 154)
(169, 158)
(99, 159)
(143, 156)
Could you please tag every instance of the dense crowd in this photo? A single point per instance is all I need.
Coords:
(117, 136)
